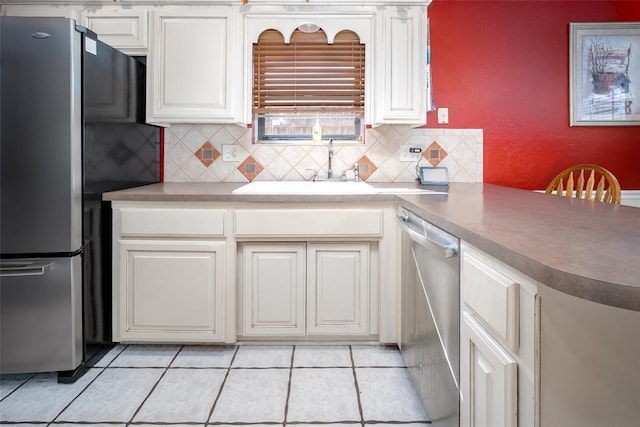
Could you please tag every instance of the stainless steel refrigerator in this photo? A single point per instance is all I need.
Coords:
(71, 128)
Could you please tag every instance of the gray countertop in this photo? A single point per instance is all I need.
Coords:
(586, 249)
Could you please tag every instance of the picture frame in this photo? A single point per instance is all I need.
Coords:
(604, 74)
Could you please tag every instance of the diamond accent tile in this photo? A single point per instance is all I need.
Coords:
(367, 167)
(250, 168)
(207, 154)
(434, 154)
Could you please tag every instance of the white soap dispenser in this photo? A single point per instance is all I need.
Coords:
(316, 133)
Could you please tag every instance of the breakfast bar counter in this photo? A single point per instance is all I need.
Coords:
(585, 249)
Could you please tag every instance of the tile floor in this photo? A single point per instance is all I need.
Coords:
(217, 385)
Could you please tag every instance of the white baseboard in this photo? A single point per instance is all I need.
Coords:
(631, 198)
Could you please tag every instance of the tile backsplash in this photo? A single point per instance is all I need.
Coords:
(193, 153)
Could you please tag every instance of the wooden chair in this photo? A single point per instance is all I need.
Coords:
(571, 183)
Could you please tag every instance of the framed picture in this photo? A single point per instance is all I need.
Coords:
(604, 78)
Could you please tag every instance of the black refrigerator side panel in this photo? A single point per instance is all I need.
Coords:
(40, 140)
(119, 152)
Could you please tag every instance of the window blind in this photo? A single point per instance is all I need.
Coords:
(308, 75)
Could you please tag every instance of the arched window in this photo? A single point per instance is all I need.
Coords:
(307, 80)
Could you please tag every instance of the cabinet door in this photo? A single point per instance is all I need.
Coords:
(273, 288)
(338, 289)
(190, 73)
(401, 67)
(123, 28)
(170, 291)
(488, 377)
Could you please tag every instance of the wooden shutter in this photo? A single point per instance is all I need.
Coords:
(308, 75)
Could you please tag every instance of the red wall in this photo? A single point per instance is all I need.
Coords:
(503, 66)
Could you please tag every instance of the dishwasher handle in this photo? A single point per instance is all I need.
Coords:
(432, 235)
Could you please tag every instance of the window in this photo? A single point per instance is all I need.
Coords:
(308, 80)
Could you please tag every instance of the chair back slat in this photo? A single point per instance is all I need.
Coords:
(606, 191)
(570, 185)
(600, 188)
(589, 188)
(580, 185)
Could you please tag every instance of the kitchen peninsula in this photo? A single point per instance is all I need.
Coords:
(582, 255)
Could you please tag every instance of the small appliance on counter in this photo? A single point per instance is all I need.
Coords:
(72, 128)
(438, 176)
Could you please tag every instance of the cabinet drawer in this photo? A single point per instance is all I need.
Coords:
(308, 222)
(492, 293)
(172, 222)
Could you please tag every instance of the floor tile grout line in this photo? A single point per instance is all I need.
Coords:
(72, 400)
(166, 369)
(18, 386)
(102, 370)
(175, 357)
(117, 355)
(387, 422)
(224, 381)
(355, 381)
(286, 403)
(244, 423)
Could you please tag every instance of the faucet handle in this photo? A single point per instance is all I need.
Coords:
(315, 174)
(356, 170)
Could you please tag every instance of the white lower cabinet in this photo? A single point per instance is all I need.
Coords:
(171, 291)
(488, 377)
(169, 272)
(273, 289)
(499, 343)
(299, 288)
(337, 289)
(200, 272)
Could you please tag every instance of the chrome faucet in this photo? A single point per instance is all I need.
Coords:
(329, 170)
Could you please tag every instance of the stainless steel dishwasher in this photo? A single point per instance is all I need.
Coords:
(430, 324)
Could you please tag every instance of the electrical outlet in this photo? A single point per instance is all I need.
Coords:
(443, 116)
(229, 153)
(409, 153)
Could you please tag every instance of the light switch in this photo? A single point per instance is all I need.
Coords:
(229, 153)
(443, 116)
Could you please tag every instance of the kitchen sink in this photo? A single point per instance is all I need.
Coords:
(305, 188)
(323, 188)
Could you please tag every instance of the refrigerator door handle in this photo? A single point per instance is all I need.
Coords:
(24, 270)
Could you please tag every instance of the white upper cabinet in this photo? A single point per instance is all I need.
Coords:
(401, 71)
(191, 72)
(125, 28)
